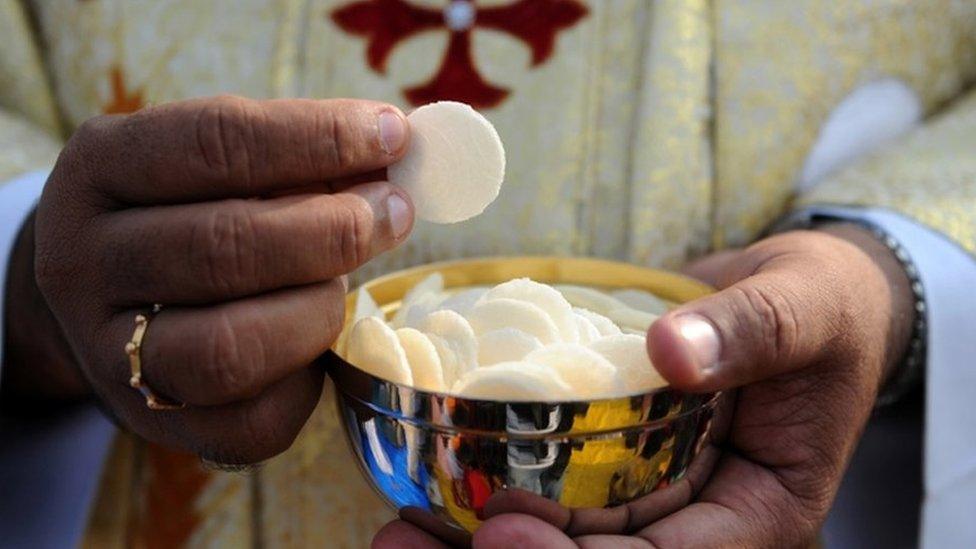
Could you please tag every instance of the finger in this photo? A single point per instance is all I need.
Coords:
(426, 521)
(403, 535)
(515, 500)
(211, 252)
(622, 518)
(516, 531)
(331, 186)
(203, 149)
(779, 319)
(714, 269)
(233, 351)
(241, 433)
(743, 505)
(604, 541)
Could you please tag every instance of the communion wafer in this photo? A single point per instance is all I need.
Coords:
(587, 331)
(629, 354)
(544, 297)
(446, 338)
(602, 324)
(419, 300)
(503, 312)
(452, 364)
(365, 306)
(586, 371)
(462, 302)
(505, 345)
(514, 381)
(425, 364)
(626, 317)
(457, 332)
(588, 298)
(455, 163)
(374, 347)
(641, 300)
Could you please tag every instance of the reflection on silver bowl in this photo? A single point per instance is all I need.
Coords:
(448, 455)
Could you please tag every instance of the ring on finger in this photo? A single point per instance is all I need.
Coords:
(133, 349)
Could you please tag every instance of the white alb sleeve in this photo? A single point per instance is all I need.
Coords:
(948, 275)
(17, 199)
(49, 466)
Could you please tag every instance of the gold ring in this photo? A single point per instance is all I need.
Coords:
(134, 351)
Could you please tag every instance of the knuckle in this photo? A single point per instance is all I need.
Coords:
(74, 161)
(773, 321)
(223, 141)
(92, 130)
(224, 247)
(339, 141)
(47, 271)
(58, 266)
(350, 228)
(228, 369)
(270, 432)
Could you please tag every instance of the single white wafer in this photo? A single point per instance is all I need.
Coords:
(453, 330)
(463, 301)
(514, 381)
(586, 371)
(544, 297)
(641, 300)
(625, 317)
(425, 364)
(419, 300)
(503, 312)
(455, 165)
(365, 306)
(587, 331)
(602, 324)
(452, 365)
(588, 298)
(629, 354)
(505, 345)
(374, 348)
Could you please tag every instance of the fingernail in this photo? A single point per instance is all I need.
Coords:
(393, 131)
(399, 213)
(702, 339)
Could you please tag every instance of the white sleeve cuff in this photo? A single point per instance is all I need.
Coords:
(17, 199)
(49, 467)
(947, 273)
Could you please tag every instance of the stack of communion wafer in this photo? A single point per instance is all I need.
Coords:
(520, 340)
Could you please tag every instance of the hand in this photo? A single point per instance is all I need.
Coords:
(241, 217)
(807, 326)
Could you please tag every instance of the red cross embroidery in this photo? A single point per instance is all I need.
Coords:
(385, 23)
(123, 101)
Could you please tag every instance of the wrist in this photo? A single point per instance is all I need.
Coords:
(38, 364)
(902, 299)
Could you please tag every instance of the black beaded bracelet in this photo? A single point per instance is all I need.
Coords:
(909, 371)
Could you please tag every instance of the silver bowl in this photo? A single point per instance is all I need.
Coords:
(447, 456)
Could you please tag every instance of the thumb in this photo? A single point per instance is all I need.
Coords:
(780, 318)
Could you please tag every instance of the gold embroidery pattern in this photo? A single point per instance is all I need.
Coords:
(24, 147)
(782, 67)
(25, 88)
(930, 176)
(671, 185)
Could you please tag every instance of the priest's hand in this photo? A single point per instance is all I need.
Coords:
(241, 217)
(801, 336)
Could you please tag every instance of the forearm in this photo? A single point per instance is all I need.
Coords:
(37, 363)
